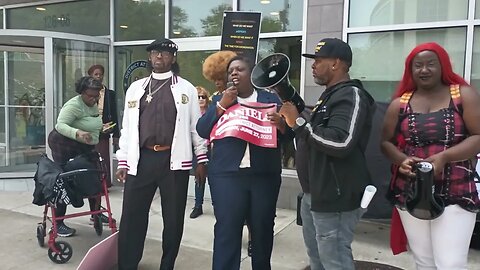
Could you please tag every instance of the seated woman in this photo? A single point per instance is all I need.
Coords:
(76, 132)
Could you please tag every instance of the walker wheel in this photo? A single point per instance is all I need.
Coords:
(64, 255)
(41, 234)
(97, 224)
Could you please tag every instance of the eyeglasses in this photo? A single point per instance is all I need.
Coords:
(202, 97)
(95, 96)
(156, 53)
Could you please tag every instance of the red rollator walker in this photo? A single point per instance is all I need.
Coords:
(60, 251)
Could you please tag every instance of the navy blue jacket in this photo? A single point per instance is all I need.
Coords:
(227, 153)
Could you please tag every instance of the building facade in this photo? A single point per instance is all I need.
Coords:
(46, 45)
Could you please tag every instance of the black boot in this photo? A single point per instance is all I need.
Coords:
(197, 211)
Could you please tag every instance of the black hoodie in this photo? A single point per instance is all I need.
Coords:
(337, 135)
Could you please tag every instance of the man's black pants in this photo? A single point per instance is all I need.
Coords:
(153, 172)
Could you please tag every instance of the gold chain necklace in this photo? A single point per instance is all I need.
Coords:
(150, 94)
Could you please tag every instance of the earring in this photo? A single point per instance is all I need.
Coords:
(333, 68)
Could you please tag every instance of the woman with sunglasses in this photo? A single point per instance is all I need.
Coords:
(203, 101)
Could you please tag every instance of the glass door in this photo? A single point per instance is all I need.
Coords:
(73, 58)
(38, 71)
(22, 103)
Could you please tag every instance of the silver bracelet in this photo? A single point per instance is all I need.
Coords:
(221, 107)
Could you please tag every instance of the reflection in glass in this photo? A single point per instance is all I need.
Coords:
(1, 21)
(139, 20)
(378, 58)
(475, 78)
(89, 17)
(73, 60)
(198, 18)
(277, 16)
(26, 79)
(386, 12)
(27, 139)
(191, 68)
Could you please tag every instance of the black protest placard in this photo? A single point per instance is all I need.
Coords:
(240, 33)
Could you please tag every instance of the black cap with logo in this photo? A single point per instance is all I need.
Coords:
(332, 48)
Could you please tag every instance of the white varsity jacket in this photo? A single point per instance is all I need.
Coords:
(185, 134)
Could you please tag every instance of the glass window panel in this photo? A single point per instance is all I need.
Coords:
(1, 18)
(477, 9)
(82, 17)
(26, 79)
(73, 58)
(3, 145)
(139, 20)
(2, 79)
(475, 78)
(277, 16)
(198, 18)
(124, 56)
(386, 12)
(379, 58)
(290, 46)
(27, 139)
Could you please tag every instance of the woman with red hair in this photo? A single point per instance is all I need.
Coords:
(434, 117)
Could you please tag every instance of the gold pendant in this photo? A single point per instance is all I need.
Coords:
(148, 98)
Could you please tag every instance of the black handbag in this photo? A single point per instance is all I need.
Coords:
(45, 178)
(84, 183)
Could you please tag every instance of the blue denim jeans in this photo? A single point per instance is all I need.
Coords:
(309, 235)
(334, 235)
(199, 194)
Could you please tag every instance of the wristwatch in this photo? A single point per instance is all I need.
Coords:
(299, 122)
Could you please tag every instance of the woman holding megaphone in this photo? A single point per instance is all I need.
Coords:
(434, 118)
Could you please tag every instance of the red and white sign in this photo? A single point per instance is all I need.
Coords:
(247, 122)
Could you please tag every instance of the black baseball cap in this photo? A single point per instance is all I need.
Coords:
(163, 44)
(332, 48)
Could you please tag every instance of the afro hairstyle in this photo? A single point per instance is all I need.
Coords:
(215, 65)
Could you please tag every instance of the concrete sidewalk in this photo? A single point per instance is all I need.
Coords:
(19, 250)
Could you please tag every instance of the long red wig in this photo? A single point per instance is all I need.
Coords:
(448, 76)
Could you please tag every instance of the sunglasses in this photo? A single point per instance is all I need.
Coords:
(202, 97)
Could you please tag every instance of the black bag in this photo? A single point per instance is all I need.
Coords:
(45, 178)
(84, 183)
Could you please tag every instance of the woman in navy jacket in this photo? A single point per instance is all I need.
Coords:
(244, 178)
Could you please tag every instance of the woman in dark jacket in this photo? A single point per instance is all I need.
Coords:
(244, 178)
(107, 106)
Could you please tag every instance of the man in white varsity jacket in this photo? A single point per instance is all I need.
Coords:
(158, 131)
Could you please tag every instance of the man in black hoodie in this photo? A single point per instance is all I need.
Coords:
(337, 135)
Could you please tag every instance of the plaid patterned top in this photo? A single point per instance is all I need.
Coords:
(431, 133)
